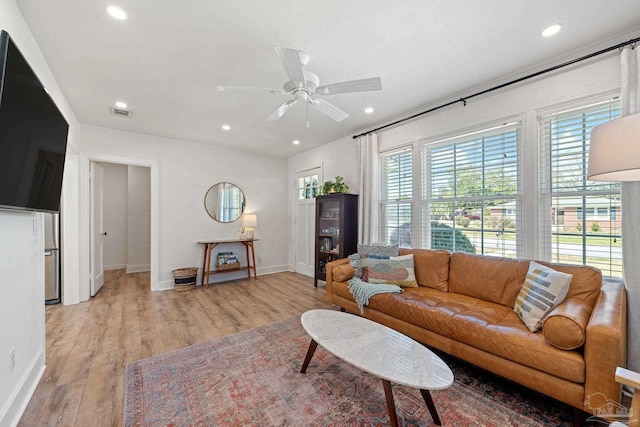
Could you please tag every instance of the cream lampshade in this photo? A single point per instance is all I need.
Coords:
(248, 222)
(614, 154)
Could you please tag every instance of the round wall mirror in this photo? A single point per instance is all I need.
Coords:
(224, 202)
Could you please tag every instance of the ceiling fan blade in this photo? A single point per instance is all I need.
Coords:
(282, 109)
(329, 109)
(292, 63)
(248, 88)
(362, 85)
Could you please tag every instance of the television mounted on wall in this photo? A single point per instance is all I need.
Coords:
(33, 136)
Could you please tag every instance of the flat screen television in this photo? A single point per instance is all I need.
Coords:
(33, 136)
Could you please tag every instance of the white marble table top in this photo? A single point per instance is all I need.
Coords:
(377, 349)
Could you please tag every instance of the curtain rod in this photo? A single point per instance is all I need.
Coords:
(500, 86)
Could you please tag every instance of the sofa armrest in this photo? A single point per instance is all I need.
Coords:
(330, 276)
(606, 344)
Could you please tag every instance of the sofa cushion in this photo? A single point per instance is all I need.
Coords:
(431, 267)
(393, 271)
(371, 251)
(586, 282)
(564, 327)
(543, 289)
(378, 250)
(343, 272)
(488, 326)
(497, 280)
(498, 330)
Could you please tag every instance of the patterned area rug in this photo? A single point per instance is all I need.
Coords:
(252, 379)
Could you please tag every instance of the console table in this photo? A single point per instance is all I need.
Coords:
(206, 260)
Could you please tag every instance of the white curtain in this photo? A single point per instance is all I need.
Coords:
(630, 207)
(368, 200)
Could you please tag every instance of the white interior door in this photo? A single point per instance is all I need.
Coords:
(305, 226)
(96, 174)
(306, 188)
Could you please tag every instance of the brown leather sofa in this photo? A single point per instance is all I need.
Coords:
(464, 307)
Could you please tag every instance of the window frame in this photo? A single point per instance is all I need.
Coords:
(550, 196)
(485, 131)
(384, 229)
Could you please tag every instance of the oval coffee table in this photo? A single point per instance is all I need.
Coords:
(380, 351)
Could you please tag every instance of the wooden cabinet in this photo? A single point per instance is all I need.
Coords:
(336, 230)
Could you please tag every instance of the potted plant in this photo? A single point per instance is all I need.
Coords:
(337, 186)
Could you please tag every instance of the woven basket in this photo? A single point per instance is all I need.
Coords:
(185, 278)
(232, 266)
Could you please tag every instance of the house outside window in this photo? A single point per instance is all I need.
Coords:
(471, 192)
(590, 231)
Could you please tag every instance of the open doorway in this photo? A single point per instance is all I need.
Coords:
(120, 219)
(90, 233)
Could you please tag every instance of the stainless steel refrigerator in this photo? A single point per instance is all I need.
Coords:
(51, 258)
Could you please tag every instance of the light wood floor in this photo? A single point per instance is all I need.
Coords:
(88, 345)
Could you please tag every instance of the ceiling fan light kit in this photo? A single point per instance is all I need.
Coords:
(303, 85)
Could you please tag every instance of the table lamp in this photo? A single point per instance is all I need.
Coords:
(614, 153)
(248, 222)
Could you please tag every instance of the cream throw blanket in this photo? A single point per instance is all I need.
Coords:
(363, 291)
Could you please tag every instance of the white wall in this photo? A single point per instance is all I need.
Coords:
(22, 325)
(186, 171)
(139, 219)
(115, 215)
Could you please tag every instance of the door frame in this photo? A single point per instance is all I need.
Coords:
(93, 169)
(294, 200)
(85, 209)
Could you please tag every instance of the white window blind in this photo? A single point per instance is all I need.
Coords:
(580, 219)
(396, 197)
(471, 192)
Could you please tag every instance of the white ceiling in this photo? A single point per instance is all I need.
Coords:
(167, 58)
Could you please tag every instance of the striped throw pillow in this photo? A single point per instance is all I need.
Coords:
(543, 289)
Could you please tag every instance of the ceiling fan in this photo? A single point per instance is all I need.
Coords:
(303, 85)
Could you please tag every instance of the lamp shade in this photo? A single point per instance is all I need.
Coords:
(249, 220)
(614, 153)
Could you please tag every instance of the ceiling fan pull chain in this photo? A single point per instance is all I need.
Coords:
(307, 113)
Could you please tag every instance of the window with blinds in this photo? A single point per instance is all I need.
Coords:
(396, 197)
(471, 192)
(580, 219)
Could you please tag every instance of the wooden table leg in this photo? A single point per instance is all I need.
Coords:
(432, 408)
(246, 248)
(391, 406)
(248, 244)
(312, 349)
(208, 269)
(204, 264)
(253, 257)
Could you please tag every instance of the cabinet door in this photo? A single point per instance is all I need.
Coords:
(328, 214)
(336, 229)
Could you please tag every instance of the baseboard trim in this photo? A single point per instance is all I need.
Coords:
(115, 267)
(165, 285)
(273, 269)
(21, 395)
(138, 268)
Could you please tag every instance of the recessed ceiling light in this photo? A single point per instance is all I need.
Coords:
(117, 13)
(226, 127)
(368, 110)
(296, 142)
(551, 30)
(121, 104)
